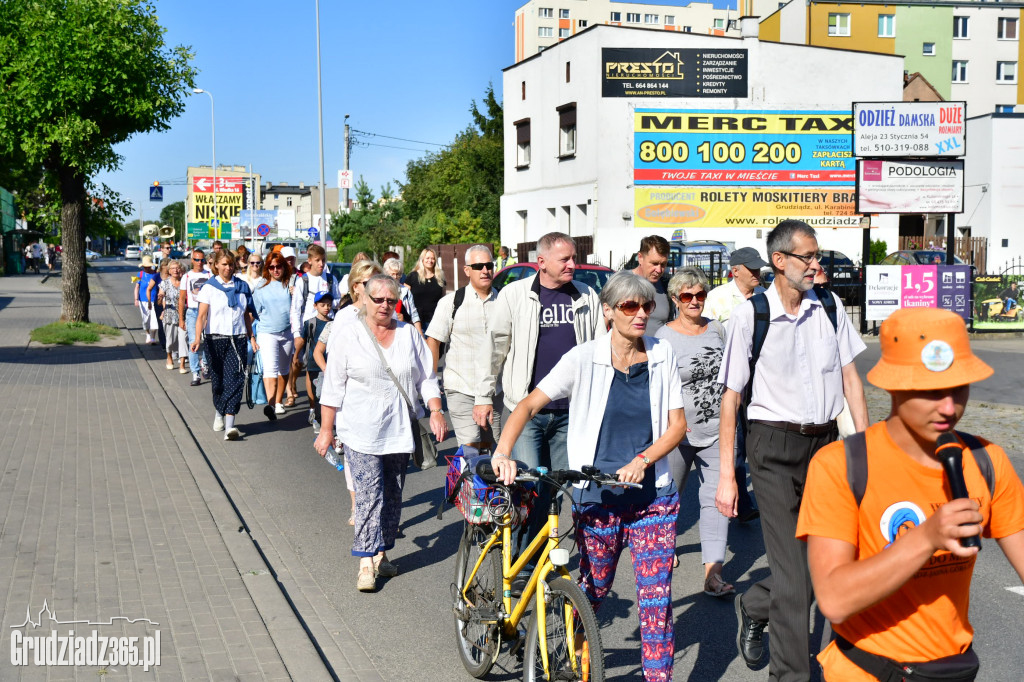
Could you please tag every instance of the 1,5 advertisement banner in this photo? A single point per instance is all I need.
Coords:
(760, 148)
(890, 287)
(742, 206)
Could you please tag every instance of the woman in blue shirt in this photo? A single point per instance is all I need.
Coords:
(273, 337)
(628, 384)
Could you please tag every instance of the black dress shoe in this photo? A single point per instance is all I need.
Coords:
(748, 516)
(750, 638)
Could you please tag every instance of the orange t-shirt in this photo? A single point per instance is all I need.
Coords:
(926, 618)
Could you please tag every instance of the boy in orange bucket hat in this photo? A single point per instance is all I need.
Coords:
(883, 543)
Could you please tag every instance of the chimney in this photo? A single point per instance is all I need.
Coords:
(750, 27)
(302, 185)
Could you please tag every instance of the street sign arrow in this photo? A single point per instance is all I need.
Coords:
(201, 184)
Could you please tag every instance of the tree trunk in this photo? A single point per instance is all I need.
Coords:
(74, 278)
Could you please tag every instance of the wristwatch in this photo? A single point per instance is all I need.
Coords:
(645, 458)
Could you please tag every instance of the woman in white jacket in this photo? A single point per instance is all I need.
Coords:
(625, 415)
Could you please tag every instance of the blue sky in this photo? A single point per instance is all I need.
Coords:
(403, 68)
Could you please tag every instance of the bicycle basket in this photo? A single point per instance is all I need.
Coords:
(480, 502)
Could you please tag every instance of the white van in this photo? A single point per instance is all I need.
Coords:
(131, 252)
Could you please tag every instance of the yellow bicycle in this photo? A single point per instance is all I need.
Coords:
(562, 641)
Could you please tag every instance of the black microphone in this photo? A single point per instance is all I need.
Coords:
(950, 454)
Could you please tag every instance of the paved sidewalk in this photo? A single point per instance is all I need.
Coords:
(110, 511)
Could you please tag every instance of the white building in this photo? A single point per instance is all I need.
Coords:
(542, 23)
(572, 157)
(299, 205)
(993, 186)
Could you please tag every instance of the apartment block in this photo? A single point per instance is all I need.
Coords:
(542, 23)
(301, 199)
(966, 50)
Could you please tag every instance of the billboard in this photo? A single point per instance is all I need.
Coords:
(999, 303)
(742, 206)
(905, 186)
(764, 148)
(910, 128)
(890, 287)
(230, 193)
(659, 72)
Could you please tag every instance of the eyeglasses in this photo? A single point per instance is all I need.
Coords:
(391, 302)
(633, 307)
(275, 266)
(805, 258)
(489, 265)
(256, 263)
(687, 297)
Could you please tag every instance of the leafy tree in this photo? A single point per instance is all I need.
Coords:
(879, 250)
(378, 223)
(459, 187)
(173, 215)
(78, 77)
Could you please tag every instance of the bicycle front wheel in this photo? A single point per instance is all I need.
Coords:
(572, 639)
(476, 615)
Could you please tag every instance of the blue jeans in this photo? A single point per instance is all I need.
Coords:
(542, 443)
(190, 330)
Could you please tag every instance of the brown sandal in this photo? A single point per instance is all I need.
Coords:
(715, 586)
(289, 401)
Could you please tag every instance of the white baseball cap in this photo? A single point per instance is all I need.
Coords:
(287, 252)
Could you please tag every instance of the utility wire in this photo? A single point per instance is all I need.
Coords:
(391, 146)
(403, 139)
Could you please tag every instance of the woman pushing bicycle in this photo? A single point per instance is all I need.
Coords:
(625, 415)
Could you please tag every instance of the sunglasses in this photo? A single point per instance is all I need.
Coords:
(633, 307)
(489, 265)
(198, 260)
(391, 302)
(687, 297)
(256, 263)
(275, 266)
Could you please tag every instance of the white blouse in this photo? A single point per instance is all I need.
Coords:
(373, 417)
(221, 318)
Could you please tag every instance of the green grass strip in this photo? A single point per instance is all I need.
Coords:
(67, 333)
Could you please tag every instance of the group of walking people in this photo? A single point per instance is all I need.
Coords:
(651, 378)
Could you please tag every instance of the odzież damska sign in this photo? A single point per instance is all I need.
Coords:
(909, 128)
(656, 72)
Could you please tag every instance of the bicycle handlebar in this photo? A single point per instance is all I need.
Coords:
(558, 476)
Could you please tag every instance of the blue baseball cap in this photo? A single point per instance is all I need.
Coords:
(322, 295)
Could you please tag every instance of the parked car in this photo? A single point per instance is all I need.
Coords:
(120, 252)
(91, 255)
(132, 252)
(338, 272)
(922, 257)
(592, 275)
(177, 253)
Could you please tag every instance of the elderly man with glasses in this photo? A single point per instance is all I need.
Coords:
(797, 385)
(461, 321)
(191, 282)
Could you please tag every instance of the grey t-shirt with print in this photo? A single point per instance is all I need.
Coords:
(699, 360)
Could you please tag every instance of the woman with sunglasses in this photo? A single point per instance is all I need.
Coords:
(273, 334)
(699, 343)
(626, 416)
(374, 419)
(253, 271)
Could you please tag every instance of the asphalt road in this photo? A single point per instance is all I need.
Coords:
(407, 626)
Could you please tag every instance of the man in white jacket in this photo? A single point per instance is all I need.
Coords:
(536, 321)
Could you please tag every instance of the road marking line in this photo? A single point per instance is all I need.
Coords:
(1017, 590)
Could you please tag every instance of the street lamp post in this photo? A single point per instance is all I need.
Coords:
(213, 129)
(320, 119)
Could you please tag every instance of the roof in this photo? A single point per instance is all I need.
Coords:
(916, 76)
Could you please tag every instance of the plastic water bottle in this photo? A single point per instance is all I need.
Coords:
(334, 459)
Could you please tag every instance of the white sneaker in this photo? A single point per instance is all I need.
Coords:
(218, 423)
(279, 409)
(232, 434)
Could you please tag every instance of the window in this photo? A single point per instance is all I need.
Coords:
(563, 33)
(522, 143)
(1006, 72)
(1004, 108)
(582, 23)
(1007, 28)
(960, 28)
(545, 32)
(838, 24)
(545, 13)
(616, 16)
(276, 196)
(568, 72)
(524, 90)
(687, 29)
(650, 18)
(670, 20)
(632, 17)
(928, 49)
(886, 25)
(563, 14)
(567, 130)
(287, 201)
(959, 71)
(719, 23)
